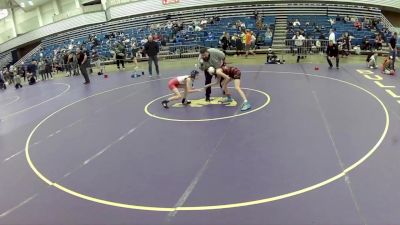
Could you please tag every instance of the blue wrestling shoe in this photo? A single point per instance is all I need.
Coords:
(246, 106)
(227, 100)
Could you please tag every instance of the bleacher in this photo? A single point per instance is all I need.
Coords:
(5, 58)
(135, 26)
(186, 38)
(320, 21)
(341, 27)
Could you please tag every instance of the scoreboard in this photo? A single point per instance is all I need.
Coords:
(167, 2)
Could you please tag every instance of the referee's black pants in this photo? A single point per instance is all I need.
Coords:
(208, 78)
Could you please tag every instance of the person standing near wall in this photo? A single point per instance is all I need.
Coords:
(152, 49)
(42, 69)
(134, 50)
(120, 54)
(298, 42)
(48, 69)
(393, 48)
(82, 62)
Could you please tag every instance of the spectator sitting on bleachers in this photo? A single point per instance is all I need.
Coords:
(338, 18)
(259, 24)
(95, 42)
(296, 23)
(242, 26)
(237, 24)
(190, 28)
(374, 22)
(332, 21)
(179, 24)
(198, 28)
(211, 20)
(367, 23)
(210, 37)
(203, 22)
(179, 39)
(289, 24)
(143, 41)
(196, 22)
(346, 19)
(169, 25)
(385, 31)
(126, 40)
(268, 34)
(358, 25)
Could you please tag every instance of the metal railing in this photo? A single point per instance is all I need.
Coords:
(305, 47)
(181, 51)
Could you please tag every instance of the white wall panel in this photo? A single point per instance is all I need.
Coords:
(148, 6)
(77, 21)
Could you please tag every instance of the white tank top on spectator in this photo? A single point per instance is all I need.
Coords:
(181, 79)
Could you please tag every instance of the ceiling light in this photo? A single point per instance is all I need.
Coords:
(30, 2)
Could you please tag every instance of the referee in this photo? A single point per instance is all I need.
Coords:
(210, 58)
